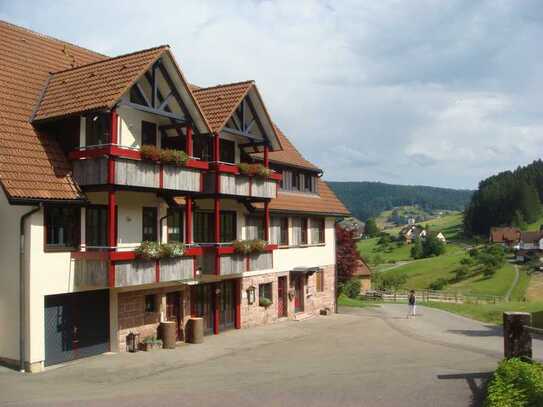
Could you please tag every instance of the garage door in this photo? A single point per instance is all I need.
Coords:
(76, 325)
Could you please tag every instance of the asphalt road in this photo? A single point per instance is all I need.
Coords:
(368, 357)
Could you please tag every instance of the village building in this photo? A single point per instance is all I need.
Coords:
(91, 167)
(363, 274)
(506, 236)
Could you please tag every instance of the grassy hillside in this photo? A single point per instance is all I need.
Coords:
(450, 225)
(368, 199)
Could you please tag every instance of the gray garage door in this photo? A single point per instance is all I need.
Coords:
(76, 325)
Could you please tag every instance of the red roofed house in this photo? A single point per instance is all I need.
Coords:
(130, 197)
(507, 236)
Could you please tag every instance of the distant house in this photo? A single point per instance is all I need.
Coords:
(440, 236)
(531, 241)
(506, 236)
(363, 273)
(411, 233)
(354, 224)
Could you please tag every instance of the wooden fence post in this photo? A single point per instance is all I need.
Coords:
(517, 341)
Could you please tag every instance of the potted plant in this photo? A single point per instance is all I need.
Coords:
(171, 250)
(174, 157)
(148, 250)
(150, 152)
(249, 246)
(254, 169)
(151, 343)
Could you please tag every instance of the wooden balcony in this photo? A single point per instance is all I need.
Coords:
(92, 269)
(232, 263)
(90, 168)
(232, 182)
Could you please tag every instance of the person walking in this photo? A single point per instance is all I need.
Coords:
(412, 301)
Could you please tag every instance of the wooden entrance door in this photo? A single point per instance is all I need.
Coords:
(299, 294)
(227, 302)
(173, 311)
(282, 304)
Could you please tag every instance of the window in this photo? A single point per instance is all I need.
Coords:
(319, 277)
(279, 230)
(203, 148)
(296, 231)
(228, 226)
(295, 181)
(304, 223)
(150, 230)
(150, 303)
(317, 230)
(173, 141)
(62, 227)
(96, 226)
(97, 129)
(148, 133)
(175, 225)
(265, 291)
(203, 227)
(228, 151)
(254, 228)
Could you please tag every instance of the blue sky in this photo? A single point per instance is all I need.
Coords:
(411, 92)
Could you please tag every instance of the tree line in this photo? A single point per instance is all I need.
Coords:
(510, 198)
(368, 199)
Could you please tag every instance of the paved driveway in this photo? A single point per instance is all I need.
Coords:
(358, 358)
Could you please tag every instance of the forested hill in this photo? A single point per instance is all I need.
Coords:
(508, 198)
(369, 199)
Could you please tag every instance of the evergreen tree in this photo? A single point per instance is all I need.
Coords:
(518, 220)
(416, 250)
(529, 203)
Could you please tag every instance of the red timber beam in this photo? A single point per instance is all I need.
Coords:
(217, 205)
(188, 139)
(267, 221)
(237, 293)
(266, 156)
(188, 220)
(111, 235)
(111, 199)
(216, 308)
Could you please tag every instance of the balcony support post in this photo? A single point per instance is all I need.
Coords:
(189, 144)
(188, 220)
(266, 156)
(217, 235)
(111, 235)
(237, 293)
(114, 125)
(267, 221)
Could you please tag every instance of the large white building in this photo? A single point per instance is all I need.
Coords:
(99, 155)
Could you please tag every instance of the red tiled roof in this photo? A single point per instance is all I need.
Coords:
(289, 155)
(504, 235)
(219, 102)
(26, 58)
(94, 86)
(362, 269)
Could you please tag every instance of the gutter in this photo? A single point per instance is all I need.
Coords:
(22, 291)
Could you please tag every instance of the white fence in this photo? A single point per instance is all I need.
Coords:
(435, 296)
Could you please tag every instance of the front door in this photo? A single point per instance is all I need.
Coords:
(299, 294)
(282, 306)
(202, 305)
(173, 311)
(227, 303)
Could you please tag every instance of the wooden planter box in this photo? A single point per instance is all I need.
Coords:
(146, 347)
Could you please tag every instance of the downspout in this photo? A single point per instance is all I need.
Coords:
(22, 291)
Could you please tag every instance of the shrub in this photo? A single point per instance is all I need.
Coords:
(150, 152)
(416, 250)
(461, 272)
(351, 288)
(174, 157)
(388, 281)
(254, 169)
(148, 250)
(172, 250)
(439, 284)
(258, 246)
(516, 384)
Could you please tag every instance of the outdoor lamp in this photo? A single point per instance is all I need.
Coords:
(251, 294)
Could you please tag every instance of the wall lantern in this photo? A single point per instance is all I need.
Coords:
(251, 294)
